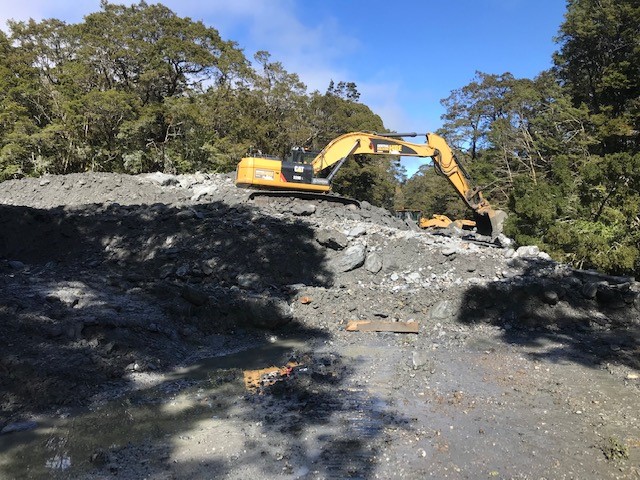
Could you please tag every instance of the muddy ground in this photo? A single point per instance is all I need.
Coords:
(133, 310)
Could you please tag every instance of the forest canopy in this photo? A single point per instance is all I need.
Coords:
(138, 88)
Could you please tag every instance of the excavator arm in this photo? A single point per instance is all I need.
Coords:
(317, 176)
(336, 152)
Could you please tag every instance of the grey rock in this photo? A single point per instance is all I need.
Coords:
(516, 262)
(449, 250)
(19, 427)
(527, 251)
(357, 231)
(442, 310)
(413, 277)
(373, 263)
(100, 457)
(54, 330)
(16, 264)
(573, 282)
(419, 360)
(332, 239)
(165, 271)
(303, 209)
(183, 270)
(544, 256)
(162, 179)
(504, 241)
(589, 290)
(135, 367)
(249, 281)
(204, 191)
(206, 268)
(352, 258)
(394, 277)
(187, 213)
(186, 182)
(73, 331)
(509, 253)
(550, 297)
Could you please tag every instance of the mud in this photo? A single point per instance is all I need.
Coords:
(131, 308)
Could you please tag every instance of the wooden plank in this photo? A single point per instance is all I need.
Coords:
(382, 326)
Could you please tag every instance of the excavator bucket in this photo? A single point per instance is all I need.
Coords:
(490, 222)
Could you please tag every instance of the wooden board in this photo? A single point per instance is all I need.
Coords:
(382, 326)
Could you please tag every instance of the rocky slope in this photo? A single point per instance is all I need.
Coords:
(109, 283)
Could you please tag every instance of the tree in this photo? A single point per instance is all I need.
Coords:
(598, 65)
(431, 193)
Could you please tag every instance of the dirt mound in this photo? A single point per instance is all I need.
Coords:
(106, 278)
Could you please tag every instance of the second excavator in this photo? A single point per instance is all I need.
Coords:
(298, 177)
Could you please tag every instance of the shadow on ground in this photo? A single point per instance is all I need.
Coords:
(92, 294)
(577, 316)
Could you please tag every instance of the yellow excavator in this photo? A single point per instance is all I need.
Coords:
(311, 177)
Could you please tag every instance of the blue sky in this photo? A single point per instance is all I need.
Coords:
(404, 56)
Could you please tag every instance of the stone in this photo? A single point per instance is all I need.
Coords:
(162, 179)
(419, 360)
(550, 297)
(413, 277)
(249, 281)
(589, 290)
(303, 209)
(183, 270)
(204, 191)
(441, 310)
(449, 250)
(357, 231)
(16, 264)
(352, 258)
(194, 296)
(527, 251)
(332, 239)
(373, 263)
(19, 427)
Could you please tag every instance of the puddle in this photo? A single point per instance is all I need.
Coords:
(207, 390)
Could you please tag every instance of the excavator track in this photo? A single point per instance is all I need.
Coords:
(327, 197)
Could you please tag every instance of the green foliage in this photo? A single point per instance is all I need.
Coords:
(431, 193)
(598, 64)
(367, 178)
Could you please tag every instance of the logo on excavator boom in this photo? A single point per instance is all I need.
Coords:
(389, 148)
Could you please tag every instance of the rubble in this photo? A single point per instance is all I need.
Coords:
(108, 279)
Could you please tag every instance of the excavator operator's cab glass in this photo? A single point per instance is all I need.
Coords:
(300, 155)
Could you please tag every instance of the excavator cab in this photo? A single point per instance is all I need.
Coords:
(301, 155)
